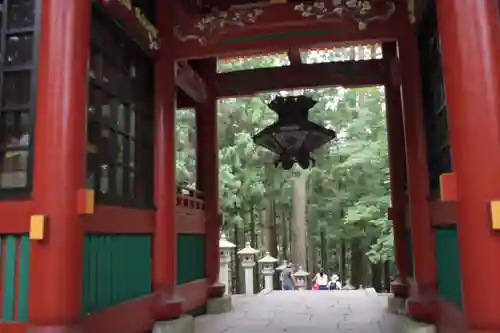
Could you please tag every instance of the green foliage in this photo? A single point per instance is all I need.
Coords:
(348, 189)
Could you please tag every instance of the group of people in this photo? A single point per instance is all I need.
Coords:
(321, 281)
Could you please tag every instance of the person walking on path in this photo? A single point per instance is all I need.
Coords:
(321, 279)
(288, 279)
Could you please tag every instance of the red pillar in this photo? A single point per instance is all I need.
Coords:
(208, 174)
(424, 256)
(397, 172)
(164, 268)
(470, 38)
(59, 165)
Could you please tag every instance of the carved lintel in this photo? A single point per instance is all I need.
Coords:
(360, 11)
(210, 24)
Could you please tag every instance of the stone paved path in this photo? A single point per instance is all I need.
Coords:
(359, 311)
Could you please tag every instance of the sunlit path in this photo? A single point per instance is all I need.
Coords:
(306, 311)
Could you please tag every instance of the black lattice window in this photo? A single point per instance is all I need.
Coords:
(434, 98)
(18, 47)
(120, 117)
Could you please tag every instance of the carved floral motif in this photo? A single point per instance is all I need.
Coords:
(360, 11)
(210, 23)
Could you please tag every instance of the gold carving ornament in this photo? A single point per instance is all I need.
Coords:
(208, 24)
(360, 11)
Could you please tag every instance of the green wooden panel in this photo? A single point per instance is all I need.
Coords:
(116, 268)
(448, 265)
(24, 268)
(15, 250)
(190, 258)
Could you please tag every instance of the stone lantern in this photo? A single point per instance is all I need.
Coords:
(268, 270)
(300, 277)
(280, 269)
(247, 255)
(225, 248)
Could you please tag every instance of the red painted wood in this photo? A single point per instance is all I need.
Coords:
(208, 168)
(294, 56)
(190, 82)
(138, 315)
(285, 28)
(397, 171)
(473, 96)
(424, 257)
(189, 221)
(115, 219)
(13, 327)
(443, 213)
(128, 317)
(164, 239)
(194, 294)
(448, 184)
(348, 74)
(59, 163)
(15, 216)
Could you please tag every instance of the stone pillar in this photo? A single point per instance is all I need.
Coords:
(247, 255)
(164, 250)
(300, 277)
(469, 34)
(225, 248)
(55, 293)
(268, 270)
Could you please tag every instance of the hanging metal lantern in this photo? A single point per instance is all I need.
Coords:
(293, 137)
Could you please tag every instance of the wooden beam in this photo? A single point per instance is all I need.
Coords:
(190, 82)
(183, 101)
(278, 27)
(348, 74)
(294, 56)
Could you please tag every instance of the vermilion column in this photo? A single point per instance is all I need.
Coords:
(164, 266)
(397, 171)
(424, 256)
(208, 174)
(470, 38)
(59, 165)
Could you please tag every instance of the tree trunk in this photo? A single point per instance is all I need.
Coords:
(377, 276)
(324, 259)
(342, 262)
(387, 276)
(268, 223)
(356, 263)
(284, 237)
(312, 267)
(298, 225)
(273, 244)
(239, 240)
(253, 240)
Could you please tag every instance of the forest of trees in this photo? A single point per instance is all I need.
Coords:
(333, 215)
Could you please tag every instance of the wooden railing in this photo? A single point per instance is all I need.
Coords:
(189, 198)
